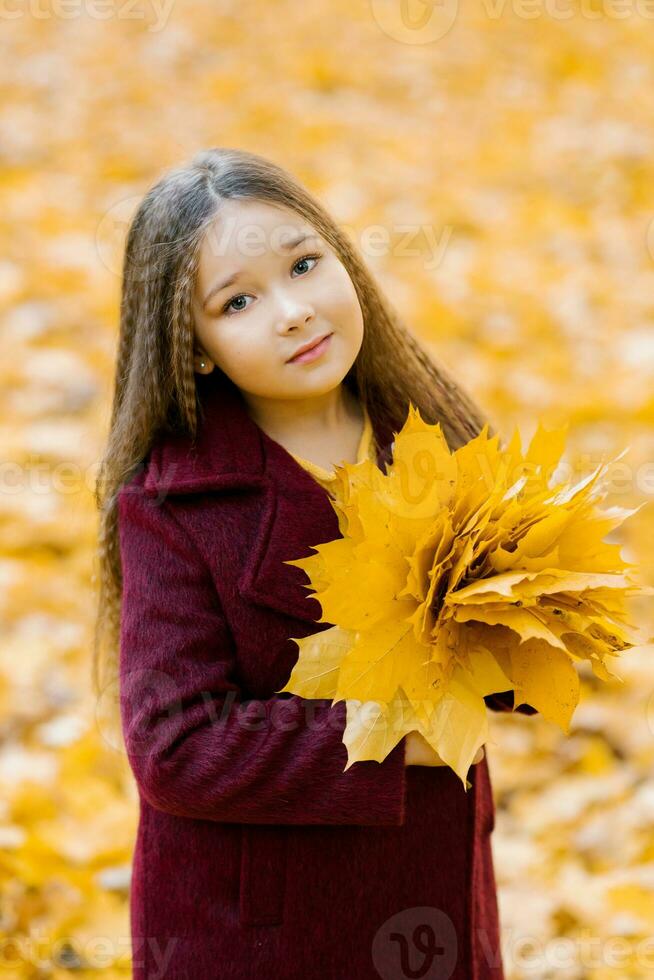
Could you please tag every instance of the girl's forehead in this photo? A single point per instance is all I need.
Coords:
(245, 219)
(244, 231)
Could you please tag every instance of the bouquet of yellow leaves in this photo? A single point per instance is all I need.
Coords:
(459, 575)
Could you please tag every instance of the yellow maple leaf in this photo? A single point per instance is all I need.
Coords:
(473, 576)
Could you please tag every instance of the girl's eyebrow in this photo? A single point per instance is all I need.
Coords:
(286, 246)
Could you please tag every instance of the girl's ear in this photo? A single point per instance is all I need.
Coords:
(202, 363)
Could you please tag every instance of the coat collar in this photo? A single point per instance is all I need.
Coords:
(228, 452)
(231, 452)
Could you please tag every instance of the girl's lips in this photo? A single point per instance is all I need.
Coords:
(311, 355)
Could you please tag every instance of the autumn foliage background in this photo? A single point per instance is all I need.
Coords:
(509, 164)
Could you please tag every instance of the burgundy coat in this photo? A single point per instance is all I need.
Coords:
(256, 855)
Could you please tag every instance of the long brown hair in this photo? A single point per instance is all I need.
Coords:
(154, 385)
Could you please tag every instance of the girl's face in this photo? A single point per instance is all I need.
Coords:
(282, 294)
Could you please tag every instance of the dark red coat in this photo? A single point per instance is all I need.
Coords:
(256, 855)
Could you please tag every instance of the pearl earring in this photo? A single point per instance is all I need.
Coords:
(202, 364)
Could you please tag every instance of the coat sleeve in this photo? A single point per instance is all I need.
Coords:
(196, 747)
(504, 702)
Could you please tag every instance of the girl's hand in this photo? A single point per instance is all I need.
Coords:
(419, 752)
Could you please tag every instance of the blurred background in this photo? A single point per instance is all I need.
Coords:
(505, 149)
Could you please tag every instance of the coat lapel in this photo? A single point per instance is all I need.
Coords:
(232, 453)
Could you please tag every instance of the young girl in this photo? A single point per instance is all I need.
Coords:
(255, 353)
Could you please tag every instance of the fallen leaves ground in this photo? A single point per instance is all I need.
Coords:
(511, 163)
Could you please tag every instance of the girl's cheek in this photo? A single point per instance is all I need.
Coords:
(248, 354)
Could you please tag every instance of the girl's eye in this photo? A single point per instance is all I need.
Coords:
(234, 300)
(307, 258)
(227, 307)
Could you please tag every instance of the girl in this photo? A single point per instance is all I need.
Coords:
(255, 352)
